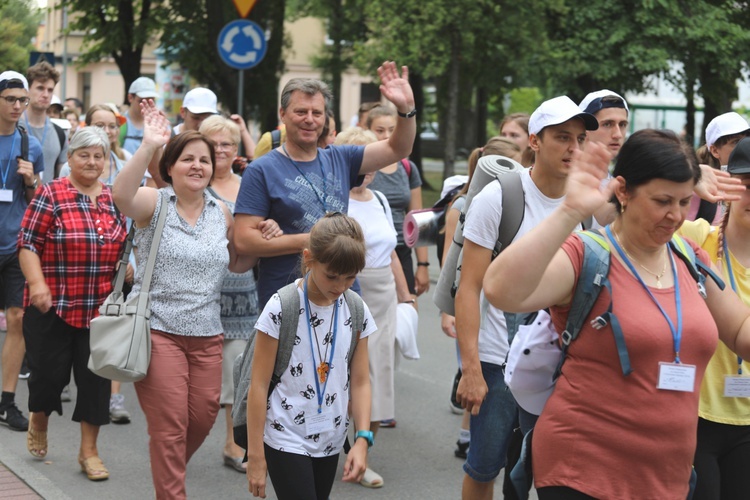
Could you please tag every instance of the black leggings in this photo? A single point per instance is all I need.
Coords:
(561, 493)
(299, 477)
(722, 461)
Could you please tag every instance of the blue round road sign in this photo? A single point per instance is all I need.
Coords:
(242, 44)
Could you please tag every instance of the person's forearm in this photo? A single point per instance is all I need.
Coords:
(512, 265)
(467, 329)
(360, 388)
(252, 244)
(402, 138)
(31, 267)
(422, 255)
(129, 179)
(153, 169)
(402, 287)
(256, 419)
(248, 143)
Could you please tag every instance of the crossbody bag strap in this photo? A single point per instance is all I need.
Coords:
(146, 283)
(122, 269)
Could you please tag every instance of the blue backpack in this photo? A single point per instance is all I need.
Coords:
(592, 279)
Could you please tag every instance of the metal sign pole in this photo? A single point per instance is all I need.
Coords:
(240, 100)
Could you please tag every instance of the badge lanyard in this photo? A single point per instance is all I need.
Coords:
(728, 262)
(321, 199)
(7, 165)
(312, 350)
(676, 332)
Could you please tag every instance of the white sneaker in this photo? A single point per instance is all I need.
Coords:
(117, 412)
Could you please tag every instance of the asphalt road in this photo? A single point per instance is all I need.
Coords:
(415, 458)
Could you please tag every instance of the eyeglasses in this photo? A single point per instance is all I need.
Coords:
(12, 100)
(225, 146)
(110, 126)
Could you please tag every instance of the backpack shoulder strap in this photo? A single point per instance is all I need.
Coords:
(591, 280)
(698, 269)
(24, 141)
(514, 206)
(356, 307)
(289, 320)
(407, 166)
(123, 134)
(379, 196)
(60, 135)
(275, 138)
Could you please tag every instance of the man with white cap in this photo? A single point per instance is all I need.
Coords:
(131, 134)
(611, 110)
(723, 133)
(21, 165)
(556, 130)
(43, 78)
(199, 104)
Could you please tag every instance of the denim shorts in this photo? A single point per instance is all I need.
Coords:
(492, 428)
(11, 280)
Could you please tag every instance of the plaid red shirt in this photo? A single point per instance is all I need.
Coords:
(78, 244)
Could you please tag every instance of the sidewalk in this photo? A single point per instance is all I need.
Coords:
(11, 486)
(18, 481)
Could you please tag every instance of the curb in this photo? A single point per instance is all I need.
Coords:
(36, 481)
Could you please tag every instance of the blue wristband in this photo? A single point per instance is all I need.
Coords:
(368, 435)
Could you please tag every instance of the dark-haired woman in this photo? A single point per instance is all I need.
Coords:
(180, 394)
(602, 434)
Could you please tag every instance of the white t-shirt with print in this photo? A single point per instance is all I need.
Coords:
(482, 227)
(296, 396)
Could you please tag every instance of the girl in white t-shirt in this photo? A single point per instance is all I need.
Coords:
(297, 432)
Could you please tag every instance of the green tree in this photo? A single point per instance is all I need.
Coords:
(119, 29)
(18, 24)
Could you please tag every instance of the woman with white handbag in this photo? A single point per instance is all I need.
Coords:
(70, 241)
(180, 393)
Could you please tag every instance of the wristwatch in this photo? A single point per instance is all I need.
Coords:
(33, 186)
(410, 114)
(368, 435)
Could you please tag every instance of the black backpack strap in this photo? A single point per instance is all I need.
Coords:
(24, 142)
(60, 135)
(275, 138)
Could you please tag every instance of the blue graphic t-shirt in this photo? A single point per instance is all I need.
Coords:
(11, 212)
(295, 195)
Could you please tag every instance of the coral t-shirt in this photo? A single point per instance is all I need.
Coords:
(612, 436)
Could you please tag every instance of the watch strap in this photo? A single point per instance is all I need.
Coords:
(367, 435)
(411, 113)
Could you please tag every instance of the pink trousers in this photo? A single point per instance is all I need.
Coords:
(180, 397)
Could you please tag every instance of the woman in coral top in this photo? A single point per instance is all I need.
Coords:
(603, 434)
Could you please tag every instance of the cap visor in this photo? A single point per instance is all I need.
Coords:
(146, 95)
(197, 110)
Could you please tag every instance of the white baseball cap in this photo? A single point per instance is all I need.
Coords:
(144, 87)
(7, 76)
(726, 124)
(532, 360)
(594, 102)
(200, 100)
(556, 111)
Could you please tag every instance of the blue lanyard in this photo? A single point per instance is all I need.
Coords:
(676, 332)
(312, 350)
(728, 259)
(10, 157)
(321, 198)
(46, 125)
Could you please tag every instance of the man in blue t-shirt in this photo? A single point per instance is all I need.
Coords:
(19, 178)
(297, 183)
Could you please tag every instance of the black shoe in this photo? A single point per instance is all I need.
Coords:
(455, 405)
(11, 416)
(25, 372)
(461, 449)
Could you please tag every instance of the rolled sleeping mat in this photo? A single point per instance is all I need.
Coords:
(421, 227)
(488, 169)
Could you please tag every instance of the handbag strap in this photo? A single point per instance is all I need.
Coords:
(124, 259)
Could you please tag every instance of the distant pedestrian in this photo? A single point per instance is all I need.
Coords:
(43, 78)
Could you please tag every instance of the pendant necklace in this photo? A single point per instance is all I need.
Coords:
(324, 367)
(658, 276)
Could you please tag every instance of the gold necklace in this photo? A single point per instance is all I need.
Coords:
(658, 276)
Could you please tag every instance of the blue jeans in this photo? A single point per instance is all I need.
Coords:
(492, 428)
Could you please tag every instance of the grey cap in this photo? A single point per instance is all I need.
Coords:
(144, 87)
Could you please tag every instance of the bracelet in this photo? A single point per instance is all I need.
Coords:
(410, 114)
(410, 301)
(425, 264)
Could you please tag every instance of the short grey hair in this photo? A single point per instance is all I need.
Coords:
(309, 86)
(217, 124)
(88, 137)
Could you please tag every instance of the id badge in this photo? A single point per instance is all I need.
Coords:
(318, 423)
(736, 386)
(676, 377)
(6, 196)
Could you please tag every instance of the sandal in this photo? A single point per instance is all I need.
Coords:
(371, 479)
(36, 442)
(94, 468)
(235, 463)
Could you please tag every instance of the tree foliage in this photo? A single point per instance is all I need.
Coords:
(18, 24)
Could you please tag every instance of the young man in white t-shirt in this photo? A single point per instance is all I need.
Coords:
(556, 130)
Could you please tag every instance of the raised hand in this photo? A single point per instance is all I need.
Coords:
(584, 192)
(156, 131)
(716, 185)
(396, 87)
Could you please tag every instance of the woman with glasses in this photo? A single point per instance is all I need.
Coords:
(239, 296)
